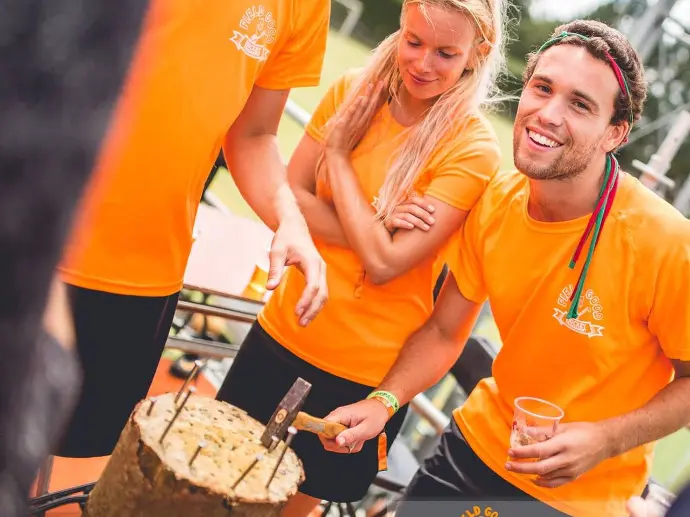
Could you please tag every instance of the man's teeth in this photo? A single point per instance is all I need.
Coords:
(541, 139)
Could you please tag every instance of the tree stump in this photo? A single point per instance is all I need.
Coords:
(146, 478)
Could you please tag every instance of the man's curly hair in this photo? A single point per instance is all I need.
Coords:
(604, 38)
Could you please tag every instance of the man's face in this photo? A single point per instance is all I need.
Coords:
(563, 119)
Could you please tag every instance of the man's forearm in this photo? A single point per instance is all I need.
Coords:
(426, 357)
(664, 414)
(260, 175)
(321, 218)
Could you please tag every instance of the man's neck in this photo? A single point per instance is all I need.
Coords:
(565, 200)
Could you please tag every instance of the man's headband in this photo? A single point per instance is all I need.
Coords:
(616, 69)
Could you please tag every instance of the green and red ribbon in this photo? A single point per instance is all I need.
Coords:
(606, 194)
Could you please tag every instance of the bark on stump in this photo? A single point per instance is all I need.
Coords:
(145, 478)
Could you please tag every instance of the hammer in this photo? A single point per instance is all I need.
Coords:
(288, 414)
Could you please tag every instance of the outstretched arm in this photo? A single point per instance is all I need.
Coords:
(251, 152)
(430, 352)
(425, 358)
(253, 158)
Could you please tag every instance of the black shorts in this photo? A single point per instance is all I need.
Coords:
(259, 378)
(120, 340)
(455, 480)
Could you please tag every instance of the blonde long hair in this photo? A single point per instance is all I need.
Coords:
(475, 89)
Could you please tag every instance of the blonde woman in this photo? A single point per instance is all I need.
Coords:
(393, 159)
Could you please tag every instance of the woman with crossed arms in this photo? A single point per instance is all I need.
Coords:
(383, 190)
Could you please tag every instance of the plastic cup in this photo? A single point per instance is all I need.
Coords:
(534, 420)
(256, 288)
(658, 501)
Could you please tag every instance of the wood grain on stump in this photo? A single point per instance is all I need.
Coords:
(145, 478)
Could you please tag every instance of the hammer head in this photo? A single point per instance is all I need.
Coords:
(286, 412)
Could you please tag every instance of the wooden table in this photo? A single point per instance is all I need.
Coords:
(226, 251)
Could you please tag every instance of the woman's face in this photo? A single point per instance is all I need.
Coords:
(433, 51)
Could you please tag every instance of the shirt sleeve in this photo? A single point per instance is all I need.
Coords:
(464, 173)
(464, 258)
(299, 62)
(329, 105)
(669, 318)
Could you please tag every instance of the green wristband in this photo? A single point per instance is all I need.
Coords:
(387, 396)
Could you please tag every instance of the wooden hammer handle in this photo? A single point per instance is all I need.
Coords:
(306, 422)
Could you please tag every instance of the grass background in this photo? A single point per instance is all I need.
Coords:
(672, 462)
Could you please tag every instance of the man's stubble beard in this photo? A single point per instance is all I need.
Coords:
(570, 164)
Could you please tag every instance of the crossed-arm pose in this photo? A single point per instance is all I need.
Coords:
(583, 267)
(408, 123)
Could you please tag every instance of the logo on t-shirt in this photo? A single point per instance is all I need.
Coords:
(589, 311)
(258, 30)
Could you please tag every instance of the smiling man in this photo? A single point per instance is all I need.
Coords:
(586, 272)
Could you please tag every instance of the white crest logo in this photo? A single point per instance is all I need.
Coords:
(589, 306)
(262, 27)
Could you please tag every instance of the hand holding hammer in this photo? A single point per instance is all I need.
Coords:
(288, 414)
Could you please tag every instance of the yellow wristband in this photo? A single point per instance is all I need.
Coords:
(389, 400)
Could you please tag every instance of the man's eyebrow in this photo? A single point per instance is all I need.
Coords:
(577, 93)
(586, 97)
(542, 78)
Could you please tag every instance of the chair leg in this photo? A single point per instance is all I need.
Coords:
(44, 474)
(326, 509)
(43, 481)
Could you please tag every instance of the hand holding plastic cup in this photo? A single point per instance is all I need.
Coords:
(534, 420)
(658, 501)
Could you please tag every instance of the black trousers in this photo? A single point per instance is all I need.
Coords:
(261, 375)
(110, 326)
(454, 480)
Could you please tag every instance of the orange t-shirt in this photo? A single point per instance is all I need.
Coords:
(633, 316)
(192, 72)
(359, 332)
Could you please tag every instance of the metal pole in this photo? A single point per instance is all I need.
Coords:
(297, 112)
(655, 171)
(646, 32)
(350, 22)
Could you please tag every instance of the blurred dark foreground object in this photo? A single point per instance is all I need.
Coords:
(61, 68)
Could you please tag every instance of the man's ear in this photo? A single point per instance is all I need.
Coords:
(616, 136)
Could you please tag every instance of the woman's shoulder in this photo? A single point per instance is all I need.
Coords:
(342, 85)
(472, 136)
(476, 127)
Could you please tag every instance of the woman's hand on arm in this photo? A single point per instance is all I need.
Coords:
(384, 256)
(321, 216)
(414, 212)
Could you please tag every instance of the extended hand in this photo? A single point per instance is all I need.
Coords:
(365, 419)
(414, 212)
(293, 246)
(575, 449)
